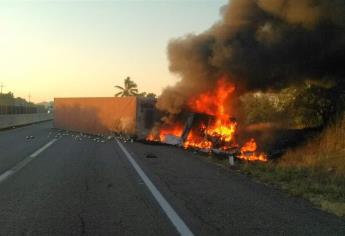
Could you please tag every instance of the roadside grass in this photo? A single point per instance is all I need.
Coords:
(315, 171)
(323, 189)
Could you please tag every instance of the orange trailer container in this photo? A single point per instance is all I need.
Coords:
(104, 115)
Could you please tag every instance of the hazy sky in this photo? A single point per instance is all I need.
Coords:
(83, 48)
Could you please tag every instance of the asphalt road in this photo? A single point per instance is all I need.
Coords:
(85, 187)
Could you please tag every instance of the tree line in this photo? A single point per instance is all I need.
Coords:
(309, 104)
(11, 104)
(8, 99)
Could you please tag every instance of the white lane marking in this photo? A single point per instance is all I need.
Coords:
(24, 162)
(181, 227)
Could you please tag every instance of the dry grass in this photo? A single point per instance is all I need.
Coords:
(324, 153)
(315, 171)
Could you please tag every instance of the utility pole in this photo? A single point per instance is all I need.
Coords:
(27, 105)
(1, 86)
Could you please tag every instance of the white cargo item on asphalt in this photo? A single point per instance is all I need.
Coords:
(172, 139)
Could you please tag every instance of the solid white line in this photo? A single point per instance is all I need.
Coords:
(181, 227)
(24, 162)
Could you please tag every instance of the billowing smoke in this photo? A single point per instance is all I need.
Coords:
(260, 45)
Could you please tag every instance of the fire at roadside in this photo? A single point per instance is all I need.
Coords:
(256, 46)
(207, 126)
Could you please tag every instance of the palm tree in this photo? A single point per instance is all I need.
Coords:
(129, 89)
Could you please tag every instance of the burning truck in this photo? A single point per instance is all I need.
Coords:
(255, 46)
(207, 126)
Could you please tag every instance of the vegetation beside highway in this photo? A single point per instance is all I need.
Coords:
(10, 104)
(315, 171)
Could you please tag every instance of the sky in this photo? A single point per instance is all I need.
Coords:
(84, 48)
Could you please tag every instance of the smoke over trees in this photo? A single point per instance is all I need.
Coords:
(262, 45)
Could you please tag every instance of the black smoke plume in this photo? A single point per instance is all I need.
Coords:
(260, 45)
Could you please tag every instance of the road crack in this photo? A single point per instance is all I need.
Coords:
(82, 225)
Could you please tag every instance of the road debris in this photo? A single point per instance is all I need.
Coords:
(150, 155)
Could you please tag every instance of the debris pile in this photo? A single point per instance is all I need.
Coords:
(100, 138)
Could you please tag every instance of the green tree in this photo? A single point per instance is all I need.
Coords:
(142, 94)
(151, 95)
(7, 99)
(258, 107)
(130, 88)
(311, 105)
(147, 95)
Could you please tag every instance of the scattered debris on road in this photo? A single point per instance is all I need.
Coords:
(99, 138)
(150, 155)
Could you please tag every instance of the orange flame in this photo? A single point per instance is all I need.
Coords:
(249, 146)
(160, 136)
(220, 132)
(248, 152)
(213, 103)
(195, 140)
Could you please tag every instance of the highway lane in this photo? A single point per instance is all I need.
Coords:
(79, 188)
(14, 146)
(83, 187)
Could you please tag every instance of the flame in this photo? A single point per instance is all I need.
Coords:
(195, 140)
(249, 146)
(217, 133)
(213, 103)
(160, 136)
(248, 152)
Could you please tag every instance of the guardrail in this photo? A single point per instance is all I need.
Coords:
(9, 110)
(12, 120)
